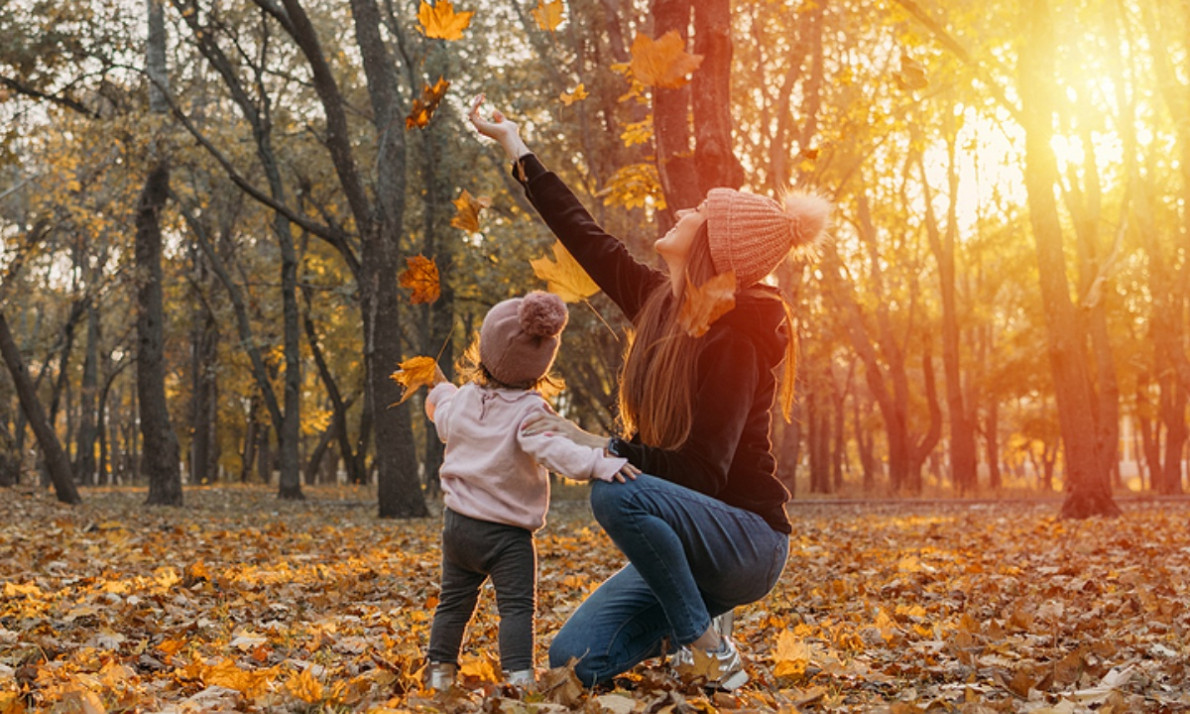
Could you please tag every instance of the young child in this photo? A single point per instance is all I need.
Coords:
(495, 484)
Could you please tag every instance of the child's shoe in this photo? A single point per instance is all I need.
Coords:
(714, 669)
(521, 678)
(440, 676)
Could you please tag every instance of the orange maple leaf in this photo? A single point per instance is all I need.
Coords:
(662, 63)
(548, 14)
(421, 276)
(564, 276)
(467, 208)
(305, 686)
(706, 303)
(578, 95)
(423, 108)
(413, 373)
(440, 20)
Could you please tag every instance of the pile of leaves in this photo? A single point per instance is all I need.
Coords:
(242, 602)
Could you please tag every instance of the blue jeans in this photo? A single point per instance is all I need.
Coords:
(691, 557)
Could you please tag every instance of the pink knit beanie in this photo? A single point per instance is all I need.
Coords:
(520, 337)
(752, 234)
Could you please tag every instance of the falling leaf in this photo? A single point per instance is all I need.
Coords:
(467, 210)
(578, 95)
(706, 303)
(421, 276)
(912, 75)
(663, 63)
(440, 21)
(548, 14)
(565, 277)
(413, 373)
(423, 108)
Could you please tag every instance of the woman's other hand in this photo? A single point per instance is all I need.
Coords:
(503, 131)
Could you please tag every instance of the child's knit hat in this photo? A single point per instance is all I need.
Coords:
(520, 337)
(751, 234)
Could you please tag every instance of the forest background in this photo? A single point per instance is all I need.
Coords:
(226, 224)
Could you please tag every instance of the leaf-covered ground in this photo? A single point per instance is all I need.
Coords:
(240, 602)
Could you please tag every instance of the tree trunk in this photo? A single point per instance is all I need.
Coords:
(1088, 487)
(399, 489)
(160, 445)
(84, 458)
(714, 160)
(56, 461)
(942, 244)
(671, 122)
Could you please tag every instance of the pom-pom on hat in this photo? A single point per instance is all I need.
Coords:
(519, 337)
(751, 234)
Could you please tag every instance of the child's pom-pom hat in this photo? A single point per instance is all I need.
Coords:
(752, 234)
(520, 337)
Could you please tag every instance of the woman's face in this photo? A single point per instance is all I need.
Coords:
(674, 246)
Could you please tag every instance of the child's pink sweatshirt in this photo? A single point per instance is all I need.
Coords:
(493, 472)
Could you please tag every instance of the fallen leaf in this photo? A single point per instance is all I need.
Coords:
(421, 276)
(467, 208)
(305, 686)
(548, 14)
(662, 63)
(424, 107)
(564, 276)
(704, 304)
(413, 373)
(440, 21)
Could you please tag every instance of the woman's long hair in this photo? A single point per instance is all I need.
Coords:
(659, 378)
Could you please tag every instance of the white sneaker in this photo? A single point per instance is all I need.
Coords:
(521, 678)
(440, 676)
(714, 669)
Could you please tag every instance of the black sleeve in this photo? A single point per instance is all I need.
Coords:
(626, 281)
(721, 407)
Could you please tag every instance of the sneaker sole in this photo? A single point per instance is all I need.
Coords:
(734, 682)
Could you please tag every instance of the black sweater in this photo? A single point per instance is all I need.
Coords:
(728, 455)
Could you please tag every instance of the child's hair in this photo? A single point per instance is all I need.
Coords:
(470, 368)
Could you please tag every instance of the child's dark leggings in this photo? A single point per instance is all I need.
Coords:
(473, 550)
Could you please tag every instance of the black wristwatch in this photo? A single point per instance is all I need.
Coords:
(613, 445)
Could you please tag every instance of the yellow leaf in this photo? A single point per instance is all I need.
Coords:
(640, 132)
(791, 656)
(413, 373)
(421, 276)
(440, 21)
(480, 668)
(564, 276)
(467, 210)
(423, 108)
(704, 304)
(10, 703)
(634, 186)
(662, 63)
(578, 95)
(548, 14)
(305, 687)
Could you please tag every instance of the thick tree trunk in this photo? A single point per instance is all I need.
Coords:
(1088, 488)
(160, 459)
(671, 121)
(714, 159)
(399, 489)
(56, 461)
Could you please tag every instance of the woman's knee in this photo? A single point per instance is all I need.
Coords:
(610, 501)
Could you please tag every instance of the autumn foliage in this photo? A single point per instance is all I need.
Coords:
(246, 603)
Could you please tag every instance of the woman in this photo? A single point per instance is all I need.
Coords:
(704, 527)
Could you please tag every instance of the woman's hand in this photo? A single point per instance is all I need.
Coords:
(503, 131)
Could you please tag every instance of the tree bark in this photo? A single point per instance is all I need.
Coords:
(1088, 489)
(56, 461)
(714, 159)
